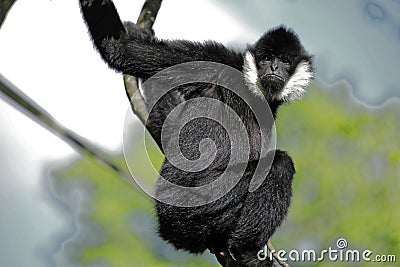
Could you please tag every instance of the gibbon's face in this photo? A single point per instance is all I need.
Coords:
(274, 70)
(282, 66)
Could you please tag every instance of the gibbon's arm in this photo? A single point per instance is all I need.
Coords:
(137, 52)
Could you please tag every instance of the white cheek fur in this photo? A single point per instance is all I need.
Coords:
(250, 74)
(297, 84)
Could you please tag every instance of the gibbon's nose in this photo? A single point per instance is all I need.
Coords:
(274, 64)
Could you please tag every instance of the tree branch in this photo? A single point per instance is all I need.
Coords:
(148, 14)
(146, 20)
(19, 100)
(136, 99)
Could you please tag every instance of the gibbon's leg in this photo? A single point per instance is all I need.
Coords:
(263, 211)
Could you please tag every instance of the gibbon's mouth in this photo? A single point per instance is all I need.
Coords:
(275, 76)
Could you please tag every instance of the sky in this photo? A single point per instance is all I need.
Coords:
(46, 52)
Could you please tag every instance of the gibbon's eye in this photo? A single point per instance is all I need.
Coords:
(284, 59)
(266, 59)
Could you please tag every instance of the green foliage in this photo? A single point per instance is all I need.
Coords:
(348, 173)
(347, 185)
(114, 201)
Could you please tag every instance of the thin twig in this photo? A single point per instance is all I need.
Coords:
(275, 254)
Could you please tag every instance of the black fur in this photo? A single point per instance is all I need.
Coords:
(240, 222)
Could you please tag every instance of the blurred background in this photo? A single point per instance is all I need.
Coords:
(58, 208)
